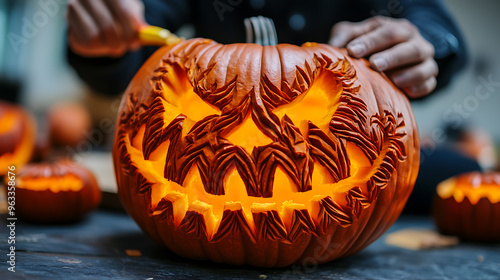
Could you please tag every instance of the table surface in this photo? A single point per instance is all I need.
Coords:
(95, 248)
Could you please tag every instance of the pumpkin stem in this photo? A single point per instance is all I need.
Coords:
(261, 30)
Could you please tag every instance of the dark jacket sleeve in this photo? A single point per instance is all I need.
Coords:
(438, 27)
(111, 76)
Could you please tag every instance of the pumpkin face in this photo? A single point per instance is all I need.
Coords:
(468, 206)
(265, 156)
(55, 192)
(17, 136)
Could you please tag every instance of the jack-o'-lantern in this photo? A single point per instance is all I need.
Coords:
(468, 206)
(17, 136)
(267, 156)
(62, 191)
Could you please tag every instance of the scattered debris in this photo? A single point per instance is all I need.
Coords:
(133, 253)
(419, 239)
(72, 261)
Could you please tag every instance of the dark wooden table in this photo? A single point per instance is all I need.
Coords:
(95, 248)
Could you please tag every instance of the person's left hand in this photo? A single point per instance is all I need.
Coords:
(395, 47)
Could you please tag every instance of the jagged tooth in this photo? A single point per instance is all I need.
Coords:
(164, 210)
(194, 223)
(233, 221)
(232, 206)
(297, 220)
(172, 207)
(325, 211)
(268, 223)
(199, 220)
(314, 208)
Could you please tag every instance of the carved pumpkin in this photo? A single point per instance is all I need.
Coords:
(17, 136)
(266, 156)
(57, 192)
(468, 206)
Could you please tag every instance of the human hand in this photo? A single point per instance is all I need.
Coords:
(395, 47)
(104, 27)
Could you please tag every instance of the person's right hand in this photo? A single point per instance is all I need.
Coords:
(104, 27)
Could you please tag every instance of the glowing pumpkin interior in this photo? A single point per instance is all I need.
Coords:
(17, 135)
(55, 192)
(67, 182)
(473, 185)
(320, 103)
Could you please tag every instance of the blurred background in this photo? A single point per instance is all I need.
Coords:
(34, 72)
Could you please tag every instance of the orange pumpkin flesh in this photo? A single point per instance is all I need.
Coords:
(55, 192)
(266, 156)
(468, 206)
(17, 136)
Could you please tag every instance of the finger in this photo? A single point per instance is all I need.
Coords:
(82, 23)
(128, 20)
(73, 25)
(74, 43)
(409, 52)
(380, 38)
(416, 74)
(343, 32)
(109, 31)
(422, 89)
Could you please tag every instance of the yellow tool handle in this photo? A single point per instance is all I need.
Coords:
(157, 36)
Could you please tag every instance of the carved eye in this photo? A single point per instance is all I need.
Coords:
(17, 136)
(468, 206)
(236, 153)
(56, 192)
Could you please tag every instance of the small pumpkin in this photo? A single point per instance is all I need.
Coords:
(62, 191)
(69, 124)
(17, 136)
(267, 156)
(468, 206)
